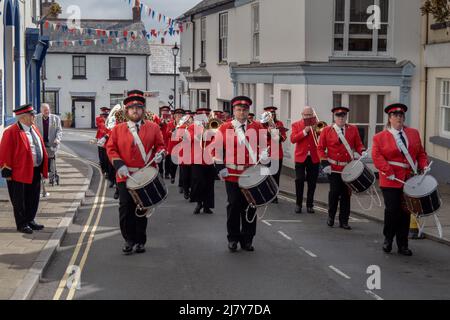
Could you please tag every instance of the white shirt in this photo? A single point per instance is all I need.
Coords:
(32, 146)
(396, 134)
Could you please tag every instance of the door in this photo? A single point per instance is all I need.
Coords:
(83, 114)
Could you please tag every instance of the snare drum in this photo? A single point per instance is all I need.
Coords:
(358, 176)
(422, 196)
(147, 188)
(258, 186)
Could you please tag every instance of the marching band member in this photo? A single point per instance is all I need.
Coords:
(131, 146)
(251, 117)
(101, 133)
(279, 136)
(166, 117)
(203, 171)
(397, 152)
(23, 159)
(337, 145)
(307, 161)
(185, 179)
(239, 229)
(171, 167)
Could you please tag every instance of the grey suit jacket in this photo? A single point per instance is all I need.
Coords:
(54, 131)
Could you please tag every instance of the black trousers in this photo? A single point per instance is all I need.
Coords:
(111, 172)
(396, 219)
(25, 199)
(238, 228)
(203, 178)
(103, 159)
(170, 167)
(277, 175)
(339, 195)
(309, 172)
(185, 178)
(133, 228)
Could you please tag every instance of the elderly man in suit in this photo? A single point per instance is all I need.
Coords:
(49, 126)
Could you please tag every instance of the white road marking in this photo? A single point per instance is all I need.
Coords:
(339, 272)
(373, 295)
(284, 235)
(264, 221)
(285, 221)
(309, 252)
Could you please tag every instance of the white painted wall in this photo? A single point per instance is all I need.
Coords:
(97, 74)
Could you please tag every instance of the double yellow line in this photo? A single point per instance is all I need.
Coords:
(98, 203)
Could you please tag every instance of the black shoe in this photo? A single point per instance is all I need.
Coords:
(26, 230)
(208, 211)
(180, 190)
(405, 252)
(275, 201)
(112, 184)
(298, 209)
(247, 247)
(172, 180)
(345, 227)
(116, 194)
(198, 208)
(128, 248)
(187, 195)
(310, 210)
(34, 226)
(330, 222)
(232, 246)
(387, 246)
(140, 248)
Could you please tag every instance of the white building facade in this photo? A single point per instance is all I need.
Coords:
(293, 53)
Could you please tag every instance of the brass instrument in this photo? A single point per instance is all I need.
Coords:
(267, 118)
(118, 115)
(317, 128)
(185, 120)
(213, 124)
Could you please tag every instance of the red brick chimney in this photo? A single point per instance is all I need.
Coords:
(137, 11)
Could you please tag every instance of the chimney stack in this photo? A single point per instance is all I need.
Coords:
(137, 11)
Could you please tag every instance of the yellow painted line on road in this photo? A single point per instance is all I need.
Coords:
(63, 282)
(89, 244)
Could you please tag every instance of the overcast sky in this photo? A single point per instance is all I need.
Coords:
(120, 9)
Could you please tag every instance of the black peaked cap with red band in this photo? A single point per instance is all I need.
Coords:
(179, 111)
(340, 110)
(26, 108)
(242, 101)
(396, 107)
(134, 93)
(134, 101)
(203, 111)
(270, 109)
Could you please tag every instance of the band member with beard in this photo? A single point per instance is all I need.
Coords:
(130, 148)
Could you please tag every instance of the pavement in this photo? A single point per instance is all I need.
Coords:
(376, 213)
(24, 258)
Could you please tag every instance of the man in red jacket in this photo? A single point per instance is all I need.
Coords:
(102, 131)
(238, 155)
(23, 159)
(277, 136)
(130, 147)
(307, 160)
(397, 153)
(166, 117)
(338, 144)
(171, 166)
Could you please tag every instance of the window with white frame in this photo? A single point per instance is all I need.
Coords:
(193, 99)
(203, 40)
(366, 112)
(352, 34)
(286, 117)
(255, 31)
(203, 96)
(223, 37)
(445, 108)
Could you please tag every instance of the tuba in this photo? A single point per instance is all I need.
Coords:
(118, 115)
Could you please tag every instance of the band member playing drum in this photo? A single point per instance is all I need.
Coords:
(278, 133)
(397, 153)
(337, 145)
(307, 160)
(132, 145)
(203, 170)
(241, 225)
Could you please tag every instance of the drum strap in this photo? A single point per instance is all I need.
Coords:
(344, 141)
(137, 140)
(405, 152)
(243, 140)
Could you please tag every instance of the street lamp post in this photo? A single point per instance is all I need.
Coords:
(175, 51)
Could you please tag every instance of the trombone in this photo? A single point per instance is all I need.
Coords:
(317, 127)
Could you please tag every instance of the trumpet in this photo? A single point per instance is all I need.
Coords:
(267, 118)
(213, 124)
(186, 120)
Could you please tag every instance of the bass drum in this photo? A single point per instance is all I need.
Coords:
(258, 186)
(147, 188)
(422, 196)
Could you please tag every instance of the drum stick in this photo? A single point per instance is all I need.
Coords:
(395, 179)
(426, 172)
(238, 175)
(133, 179)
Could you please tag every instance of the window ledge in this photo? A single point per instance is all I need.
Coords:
(222, 63)
(79, 78)
(117, 79)
(255, 62)
(440, 26)
(440, 141)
